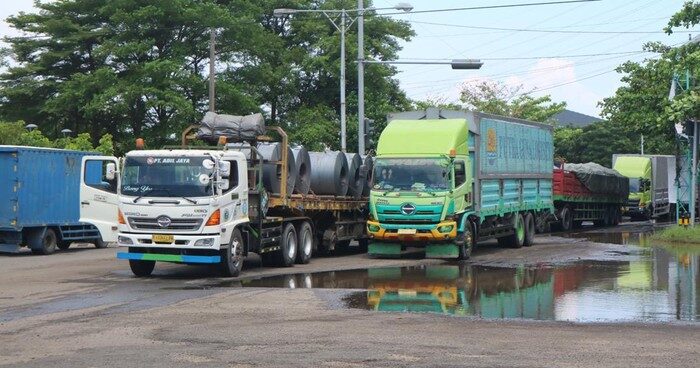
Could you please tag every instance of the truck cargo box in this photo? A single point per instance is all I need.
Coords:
(40, 188)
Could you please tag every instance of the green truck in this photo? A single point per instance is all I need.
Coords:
(651, 184)
(447, 179)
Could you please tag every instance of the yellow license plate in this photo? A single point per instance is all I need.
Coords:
(159, 238)
(407, 231)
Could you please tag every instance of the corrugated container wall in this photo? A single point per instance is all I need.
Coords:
(39, 186)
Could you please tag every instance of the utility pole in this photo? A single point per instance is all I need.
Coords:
(642, 144)
(343, 114)
(212, 74)
(360, 77)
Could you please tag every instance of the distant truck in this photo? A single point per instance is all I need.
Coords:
(447, 179)
(588, 192)
(39, 205)
(651, 185)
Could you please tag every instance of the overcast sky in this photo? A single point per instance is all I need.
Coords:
(576, 66)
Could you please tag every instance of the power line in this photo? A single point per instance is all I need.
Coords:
(506, 58)
(492, 7)
(538, 30)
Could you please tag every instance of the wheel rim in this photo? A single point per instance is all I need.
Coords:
(49, 239)
(306, 243)
(291, 247)
(236, 252)
(520, 229)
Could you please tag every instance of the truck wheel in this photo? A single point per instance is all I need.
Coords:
(99, 243)
(567, 219)
(232, 257)
(342, 246)
(363, 244)
(529, 230)
(47, 244)
(465, 242)
(616, 216)
(288, 253)
(305, 243)
(142, 268)
(517, 239)
(64, 244)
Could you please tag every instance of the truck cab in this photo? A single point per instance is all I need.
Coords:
(422, 179)
(187, 206)
(649, 184)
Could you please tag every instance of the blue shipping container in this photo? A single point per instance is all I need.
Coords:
(39, 190)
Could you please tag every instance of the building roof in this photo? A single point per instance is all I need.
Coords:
(575, 119)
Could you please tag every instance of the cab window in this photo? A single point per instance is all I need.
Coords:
(96, 176)
(460, 173)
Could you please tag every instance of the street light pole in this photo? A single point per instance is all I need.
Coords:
(360, 77)
(343, 112)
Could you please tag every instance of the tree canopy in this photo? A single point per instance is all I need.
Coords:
(138, 68)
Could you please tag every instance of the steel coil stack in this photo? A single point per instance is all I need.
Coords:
(330, 173)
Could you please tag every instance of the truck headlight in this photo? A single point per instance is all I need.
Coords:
(445, 228)
(124, 240)
(206, 242)
(373, 228)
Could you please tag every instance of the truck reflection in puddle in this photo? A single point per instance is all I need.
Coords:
(662, 286)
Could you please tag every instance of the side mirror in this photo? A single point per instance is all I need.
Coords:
(224, 168)
(208, 164)
(204, 179)
(223, 184)
(111, 171)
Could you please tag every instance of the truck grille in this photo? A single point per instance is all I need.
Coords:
(148, 223)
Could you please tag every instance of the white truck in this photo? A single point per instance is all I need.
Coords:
(208, 206)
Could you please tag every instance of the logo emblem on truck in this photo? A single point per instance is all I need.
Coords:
(164, 221)
(408, 209)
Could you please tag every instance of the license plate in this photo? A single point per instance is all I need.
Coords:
(159, 238)
(407, 231)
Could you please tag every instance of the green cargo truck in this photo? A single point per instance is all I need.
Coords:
(651, 184)
(447, 179)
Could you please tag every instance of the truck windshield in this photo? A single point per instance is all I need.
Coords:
(165, 177)
(415, 174)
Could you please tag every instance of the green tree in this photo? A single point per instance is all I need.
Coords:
(502, 99)
(593, 143)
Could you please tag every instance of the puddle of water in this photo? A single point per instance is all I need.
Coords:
(663, 285)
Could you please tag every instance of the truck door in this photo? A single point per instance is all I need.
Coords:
(99, 200)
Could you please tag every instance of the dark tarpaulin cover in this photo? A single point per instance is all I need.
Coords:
(234, 127)
(600, 179)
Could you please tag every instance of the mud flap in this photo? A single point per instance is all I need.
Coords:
(384, 249)
(447, 250)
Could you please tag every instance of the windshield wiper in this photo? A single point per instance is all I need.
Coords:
(189, 200)
(149, 192)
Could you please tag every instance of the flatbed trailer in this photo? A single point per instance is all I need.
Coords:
(574, 203)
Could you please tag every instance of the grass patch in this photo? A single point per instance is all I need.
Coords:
(679, 234)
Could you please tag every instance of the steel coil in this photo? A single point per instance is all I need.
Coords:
(272, 173)
(330, 173)
(355, 182)
(303, 168)
(368, 161)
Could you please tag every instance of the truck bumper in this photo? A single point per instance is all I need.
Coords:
(177, 258)
(201, 242)
(441, 232)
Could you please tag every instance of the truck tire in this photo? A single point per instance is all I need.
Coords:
(142, 268)
(529, 230)
(465, 242)
(516, 239)
(232, 257)
(46, 244)
(567, 219)
(288, 254)
(363, 244)
(305, 243)
(99, 243)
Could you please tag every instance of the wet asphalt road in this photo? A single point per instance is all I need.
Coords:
(82, 308)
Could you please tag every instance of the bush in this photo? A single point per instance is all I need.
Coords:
(679, 234)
